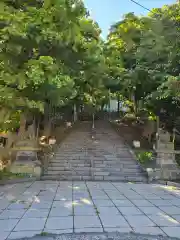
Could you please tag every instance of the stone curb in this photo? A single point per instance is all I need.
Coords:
(169, 183)
(101, 236)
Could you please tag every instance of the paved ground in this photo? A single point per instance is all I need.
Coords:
(66, 207)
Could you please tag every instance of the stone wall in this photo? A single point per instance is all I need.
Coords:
(168, 172)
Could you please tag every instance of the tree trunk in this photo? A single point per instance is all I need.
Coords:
(118, 100)
(133, 99)
(75, 113)
(47, 122)
(22, 128)
(34, 127)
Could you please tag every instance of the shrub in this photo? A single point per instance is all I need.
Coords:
(145, 157)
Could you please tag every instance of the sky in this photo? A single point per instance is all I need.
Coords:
(107, 12)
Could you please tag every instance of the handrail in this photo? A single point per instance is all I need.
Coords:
(168, 151)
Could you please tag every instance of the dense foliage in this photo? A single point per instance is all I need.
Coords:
(51, 53)
(143, 55)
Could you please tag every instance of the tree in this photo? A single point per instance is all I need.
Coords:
(144, 56)
(49, 54)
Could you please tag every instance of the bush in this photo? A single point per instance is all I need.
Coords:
(145, 157)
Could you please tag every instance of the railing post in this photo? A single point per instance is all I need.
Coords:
(93, 125)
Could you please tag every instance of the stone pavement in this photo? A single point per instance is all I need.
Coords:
(42, 207)
(105, 157)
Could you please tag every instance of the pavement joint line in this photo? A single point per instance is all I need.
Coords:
(145, 213)
(142, 211)
(163, 212)
(51, 206)
(24, 212)
(94, 206)
(117, 208)
(73, 206)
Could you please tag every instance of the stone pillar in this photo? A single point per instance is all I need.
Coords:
(165, 158)
(167, 168)
(165, 149)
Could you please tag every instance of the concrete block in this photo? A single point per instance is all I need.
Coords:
(101, 173)
(98, 178)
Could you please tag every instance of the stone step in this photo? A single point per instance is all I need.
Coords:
(123, 161)
(95, 178)
(69, 164)
(116, 166)
(78, 158)
(61, 166)
(95, 173)
(116, 162)
(112, 169)
(124, 170)
(58, 178)
(75, 172)
(65, 163)
(101, 173)
(96, 166)
(71, 161)
(65, 168)
(126, 178)
(127, 174)
(56, 168)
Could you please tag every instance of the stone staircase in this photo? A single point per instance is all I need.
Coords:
(104, 158)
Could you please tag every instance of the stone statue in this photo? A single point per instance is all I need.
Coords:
(164, 136)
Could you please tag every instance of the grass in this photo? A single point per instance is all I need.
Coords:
(44, 233)
(6, 175)
(144, 157)
(97, 212)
